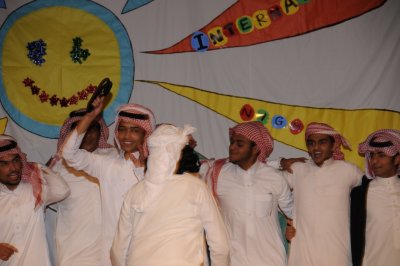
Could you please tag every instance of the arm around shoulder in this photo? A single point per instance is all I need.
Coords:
(80, 159)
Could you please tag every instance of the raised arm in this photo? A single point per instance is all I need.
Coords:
(81, 159)
(88, 118)
(285, 164)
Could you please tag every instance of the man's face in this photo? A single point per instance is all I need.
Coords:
(10, 170)
(320, 147)
(90, 141)
(242, 151)
(383, 165)
(130, 136)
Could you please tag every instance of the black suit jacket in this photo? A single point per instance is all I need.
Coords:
(358, 216)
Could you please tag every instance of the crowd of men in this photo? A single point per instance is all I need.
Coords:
(148, 202)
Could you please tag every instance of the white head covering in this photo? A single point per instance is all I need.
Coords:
(165, 145)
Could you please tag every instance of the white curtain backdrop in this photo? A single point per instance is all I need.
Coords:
(352, 65)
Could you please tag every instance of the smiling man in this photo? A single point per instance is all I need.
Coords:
(321, 190)
(376, 203)
(249, 193)
(25, 188)
(116, 174)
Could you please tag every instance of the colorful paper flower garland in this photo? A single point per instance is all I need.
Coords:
(36, 51)
(54, 99)
(77, 53)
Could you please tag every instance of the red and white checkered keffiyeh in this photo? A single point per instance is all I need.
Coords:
(67, 128)
(30, 171)
(259, 134)
(148, 124)
(321, 128)
(383, 140)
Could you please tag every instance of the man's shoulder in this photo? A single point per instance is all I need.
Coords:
(265, 169)
(112, 152)
(346, 165)
(301, 166)
(112, 158)
(189, 180)
(207, 166)
(22, 191)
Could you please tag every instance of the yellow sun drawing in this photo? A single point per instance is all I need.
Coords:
(39, 45)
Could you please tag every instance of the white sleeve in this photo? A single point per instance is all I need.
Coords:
(123, 235)
(54, 186)
(285, 200)
(276, 164)
(288, 177)
(216, 233)
(358, 174)
(204, 167)
(205, 172)
(139, 172)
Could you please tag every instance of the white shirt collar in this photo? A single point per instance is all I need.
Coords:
(387, 180)
(325, 163)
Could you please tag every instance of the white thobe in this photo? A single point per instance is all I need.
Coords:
(78, 227)
(382, 235)
(22, 226)
(170, 231)
(116, 176)
(321, 212)
(249, 202)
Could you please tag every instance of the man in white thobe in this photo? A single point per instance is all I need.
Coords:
(164, 217)
(116, 174)
(25, 188)
(321, 190)
(249, 193)
(78, 227)
(376, 203)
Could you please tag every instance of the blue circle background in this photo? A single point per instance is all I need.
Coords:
(282, 122)
(204, 39)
